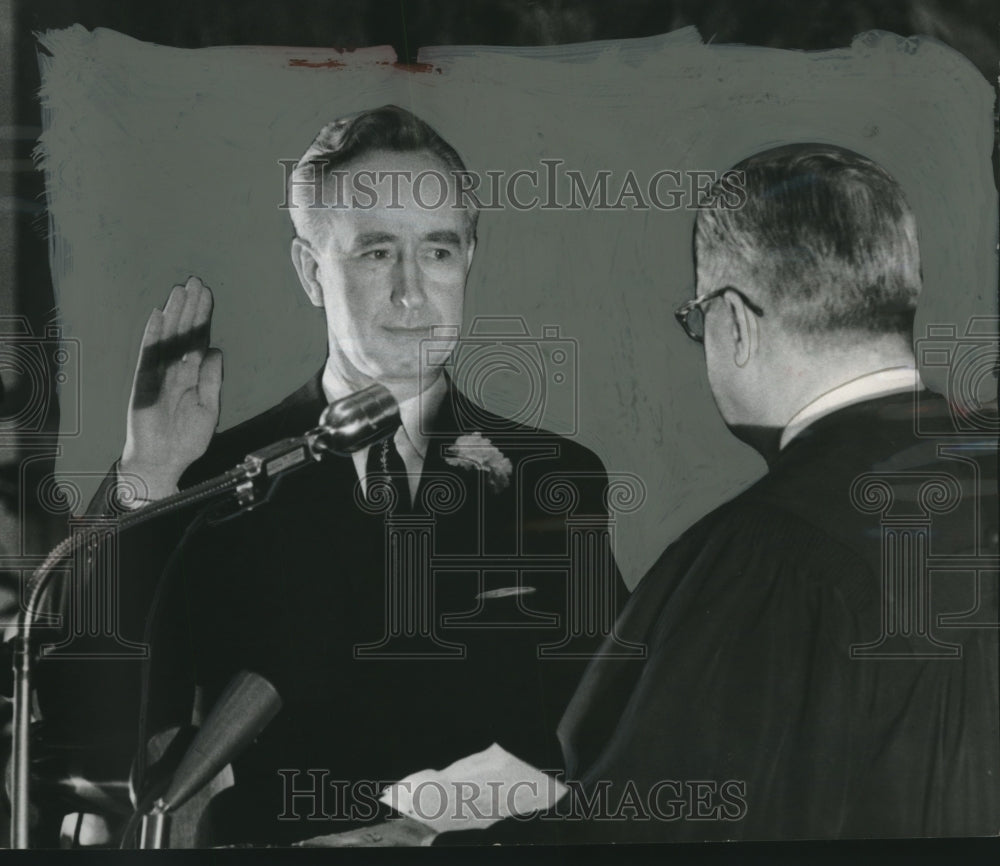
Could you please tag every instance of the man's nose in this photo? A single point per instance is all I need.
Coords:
(408, 283)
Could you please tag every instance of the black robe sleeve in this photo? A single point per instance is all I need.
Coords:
(751, 720)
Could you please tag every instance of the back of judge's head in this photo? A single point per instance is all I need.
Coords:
(824, 248)
(826, 240)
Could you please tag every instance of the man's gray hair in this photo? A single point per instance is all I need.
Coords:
(387, 128)
(825, 240)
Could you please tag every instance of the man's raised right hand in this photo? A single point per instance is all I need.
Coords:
(174, 407)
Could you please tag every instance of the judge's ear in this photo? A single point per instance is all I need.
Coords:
(743, 324)
(306, 266)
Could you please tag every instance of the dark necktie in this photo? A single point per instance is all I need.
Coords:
(385, 466)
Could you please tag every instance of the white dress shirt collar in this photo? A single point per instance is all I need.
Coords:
(880, 383)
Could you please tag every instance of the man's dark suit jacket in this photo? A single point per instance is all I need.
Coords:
(750, 719)
(294, 588)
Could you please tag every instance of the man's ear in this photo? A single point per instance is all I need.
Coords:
(306, 266)
(746, 336)
(469, 254)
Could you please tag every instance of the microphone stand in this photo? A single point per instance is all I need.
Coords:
(345, 426)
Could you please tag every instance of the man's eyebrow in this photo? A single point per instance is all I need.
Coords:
(444, 236)
(366, 239)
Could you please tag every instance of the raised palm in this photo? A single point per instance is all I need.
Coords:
(174, 407)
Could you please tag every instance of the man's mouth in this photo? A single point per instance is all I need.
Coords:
(404, 331)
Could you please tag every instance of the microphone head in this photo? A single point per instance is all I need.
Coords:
(359, 419)
(242, 711)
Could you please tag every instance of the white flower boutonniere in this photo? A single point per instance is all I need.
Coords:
(475, 451)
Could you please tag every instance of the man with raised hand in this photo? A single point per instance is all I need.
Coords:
(385, 665)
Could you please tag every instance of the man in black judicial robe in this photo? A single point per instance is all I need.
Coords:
(785, 665)
(384, 668)
(822, 650)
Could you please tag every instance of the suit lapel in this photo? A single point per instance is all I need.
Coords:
(301, 410)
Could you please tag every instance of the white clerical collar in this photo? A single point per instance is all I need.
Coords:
(881, 383)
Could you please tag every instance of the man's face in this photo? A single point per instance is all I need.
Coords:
(387, 274)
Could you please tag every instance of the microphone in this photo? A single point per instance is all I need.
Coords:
(349, 424)
(346, 425)
(243, 710)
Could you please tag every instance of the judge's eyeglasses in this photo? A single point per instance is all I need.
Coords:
(691, 314)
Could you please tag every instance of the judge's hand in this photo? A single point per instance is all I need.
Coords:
(401, 832)
(174, 407)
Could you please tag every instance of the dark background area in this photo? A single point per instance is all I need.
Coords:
(970, 26)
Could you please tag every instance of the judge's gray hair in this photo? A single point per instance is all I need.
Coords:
(825, 239)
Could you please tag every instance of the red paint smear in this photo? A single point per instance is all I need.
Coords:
(318, 64)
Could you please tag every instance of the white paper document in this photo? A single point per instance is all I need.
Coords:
(474, 792)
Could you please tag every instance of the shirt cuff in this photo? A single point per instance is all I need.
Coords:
(129, 491)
